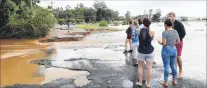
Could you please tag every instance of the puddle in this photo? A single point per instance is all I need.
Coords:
(79, 77)
(17, 69)
(15, 54)
(127, 84)
(89, 53)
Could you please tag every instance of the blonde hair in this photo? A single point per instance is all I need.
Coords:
(171, 13)
(136, 23)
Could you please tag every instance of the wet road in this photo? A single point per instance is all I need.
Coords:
(103, 65)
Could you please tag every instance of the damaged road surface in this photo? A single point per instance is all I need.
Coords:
(104, 65)
(83, 69)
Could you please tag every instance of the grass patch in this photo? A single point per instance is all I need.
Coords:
(95, 27)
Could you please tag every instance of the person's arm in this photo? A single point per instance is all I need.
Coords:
(138, 32)
(127, 30)
(163, 42)
(153, 34)
(178, 38)
(182, 31)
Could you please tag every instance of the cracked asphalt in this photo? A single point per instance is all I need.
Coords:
(110, 68)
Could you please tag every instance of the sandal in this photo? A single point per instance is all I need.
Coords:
(138, 84)
(174, 83)
(147, 86)
(165, 86)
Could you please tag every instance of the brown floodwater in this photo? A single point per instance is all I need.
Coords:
(16, 67)
(15, 57)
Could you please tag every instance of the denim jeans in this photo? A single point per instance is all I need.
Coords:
(169, 57)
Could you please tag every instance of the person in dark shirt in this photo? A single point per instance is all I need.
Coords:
(129, 37)
(145, 52)
(179, 27)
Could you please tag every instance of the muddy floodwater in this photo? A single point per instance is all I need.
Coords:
(97, 61)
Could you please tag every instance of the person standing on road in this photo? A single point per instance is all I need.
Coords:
(170, 37)
(141, 26)
(68, 24)
(145, 50)
(129, 37)
(179, 27)
(135, 40)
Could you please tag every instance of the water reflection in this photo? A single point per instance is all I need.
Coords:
(129, 59)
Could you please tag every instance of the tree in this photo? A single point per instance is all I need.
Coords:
(68, 7)
(89, 14)
(145, 14)
(150, 13)
(156, 16)
(99, 4)
(121, 18)
(81, 5)
(183, 18)
(99, 14)
(24, 19)
(4, 14)
(128, 16)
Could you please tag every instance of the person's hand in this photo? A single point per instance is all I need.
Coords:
(133, 37)
(159, 42)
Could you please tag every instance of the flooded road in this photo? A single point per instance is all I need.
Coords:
(101, 63)
(15, 57)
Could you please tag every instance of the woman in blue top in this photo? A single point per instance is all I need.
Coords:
(135, 39)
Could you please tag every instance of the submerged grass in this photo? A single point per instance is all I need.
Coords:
(95, 27)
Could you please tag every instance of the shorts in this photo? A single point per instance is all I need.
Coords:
(129, 37)
(146, 57)
(179, 48)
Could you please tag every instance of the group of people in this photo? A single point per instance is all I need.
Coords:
(139, 37)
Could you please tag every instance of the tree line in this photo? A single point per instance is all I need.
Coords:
(25, 19)
(80, 13)
(156, 17)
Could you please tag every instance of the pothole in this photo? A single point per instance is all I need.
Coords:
(80, 77)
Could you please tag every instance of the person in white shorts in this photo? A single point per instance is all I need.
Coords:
(145, 52)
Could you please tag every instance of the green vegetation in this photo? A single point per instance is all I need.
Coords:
(81, 13)
(26, 20)
(96, 26)
(103, 24)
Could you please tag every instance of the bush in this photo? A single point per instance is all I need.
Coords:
(61, 21)
(116, 23)
(103, 24)
(125, 23)
(30, 24)
(42, 22)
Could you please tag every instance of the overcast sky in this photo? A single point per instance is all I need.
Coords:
(191, 8)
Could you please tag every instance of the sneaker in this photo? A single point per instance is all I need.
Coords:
(125, 51)
(130, 51)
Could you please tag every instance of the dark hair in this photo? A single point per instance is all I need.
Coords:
(130, 22)
(146, 22)
(140, 21)
(168, 23)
